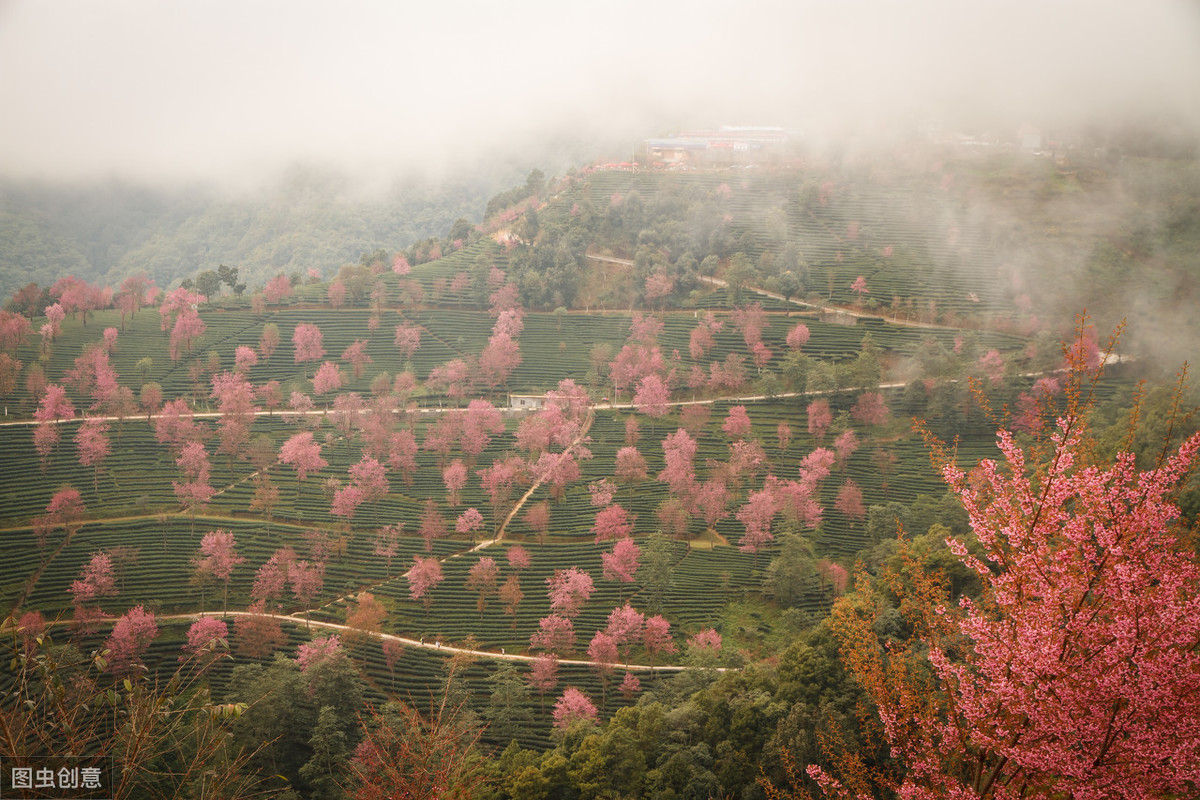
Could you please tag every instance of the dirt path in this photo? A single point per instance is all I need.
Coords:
(437, 645)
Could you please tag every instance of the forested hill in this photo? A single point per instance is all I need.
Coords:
(105, 231)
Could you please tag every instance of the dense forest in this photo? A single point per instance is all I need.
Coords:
(818, 478)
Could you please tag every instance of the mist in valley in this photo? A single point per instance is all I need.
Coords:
(379, 124)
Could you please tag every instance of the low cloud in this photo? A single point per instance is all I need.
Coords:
(232, 90)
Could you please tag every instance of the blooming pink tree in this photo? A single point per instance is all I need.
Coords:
(356, 355)
(91, 441)
(630, 465)
(737, 424)
(870, 409)
(622, 563)
(820, 417)
(555, 634)
(219, 558)
(603, 654)
(303, 454)
(432, 525)
(798, 336)
(704, 647)
(543, 673)
(454, 476)
(573, 707)
(757, 516)
(652, 397)
(131, 637)
(859, 287)
(1074, 672)
(323, 648)
(194, 491)
(468, 522)
(626, 625)
(518, 557)
(206, 639)
(845, 445)
(65, 510)
(95, 581)
(630, 686)
(278, 288)
(679, 450)
(612, 522)
(656, 637)
(308, 342)
(306, 580)
(423, 577)
(569, 590)
(850, 501)
(328, 378)
(602, 491)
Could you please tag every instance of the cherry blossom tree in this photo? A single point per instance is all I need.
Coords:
(630, 466)
(65, 510)
(194, 491)
(268, 341)
(424, 575)
(91, 442)
(468, 522)
(206, 639)
(402, 454)
(845, 445)
(130, 639)
(657, 639)
(303, 454)
(625, 625)
(569, 590)
(308, 342)
(538, 519)
(256, 633)
(1074, 672)
(679, 450)
(820, 417)
(630, 686)
(652, 397)
(622, 563)
(612, 522)
(278, 289)
(95, 580)
(479, 423)
(737, 424)
(850, 501)
(859, 287)
(555, 634)
(798, 336)
(219, 558)
(356, 355)
(870, 409)
(757, 516)
(454, 476)
(306, 580)
(432, 525)
(387, 543)
(783, 433)
(543, 673)
(393, 651)
(518, 557)
(328, 378)
(482, 578)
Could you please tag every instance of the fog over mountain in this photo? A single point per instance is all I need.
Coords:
(237, 91)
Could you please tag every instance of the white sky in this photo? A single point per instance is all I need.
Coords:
(218, 88)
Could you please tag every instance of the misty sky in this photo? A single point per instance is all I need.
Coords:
(219, 88)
